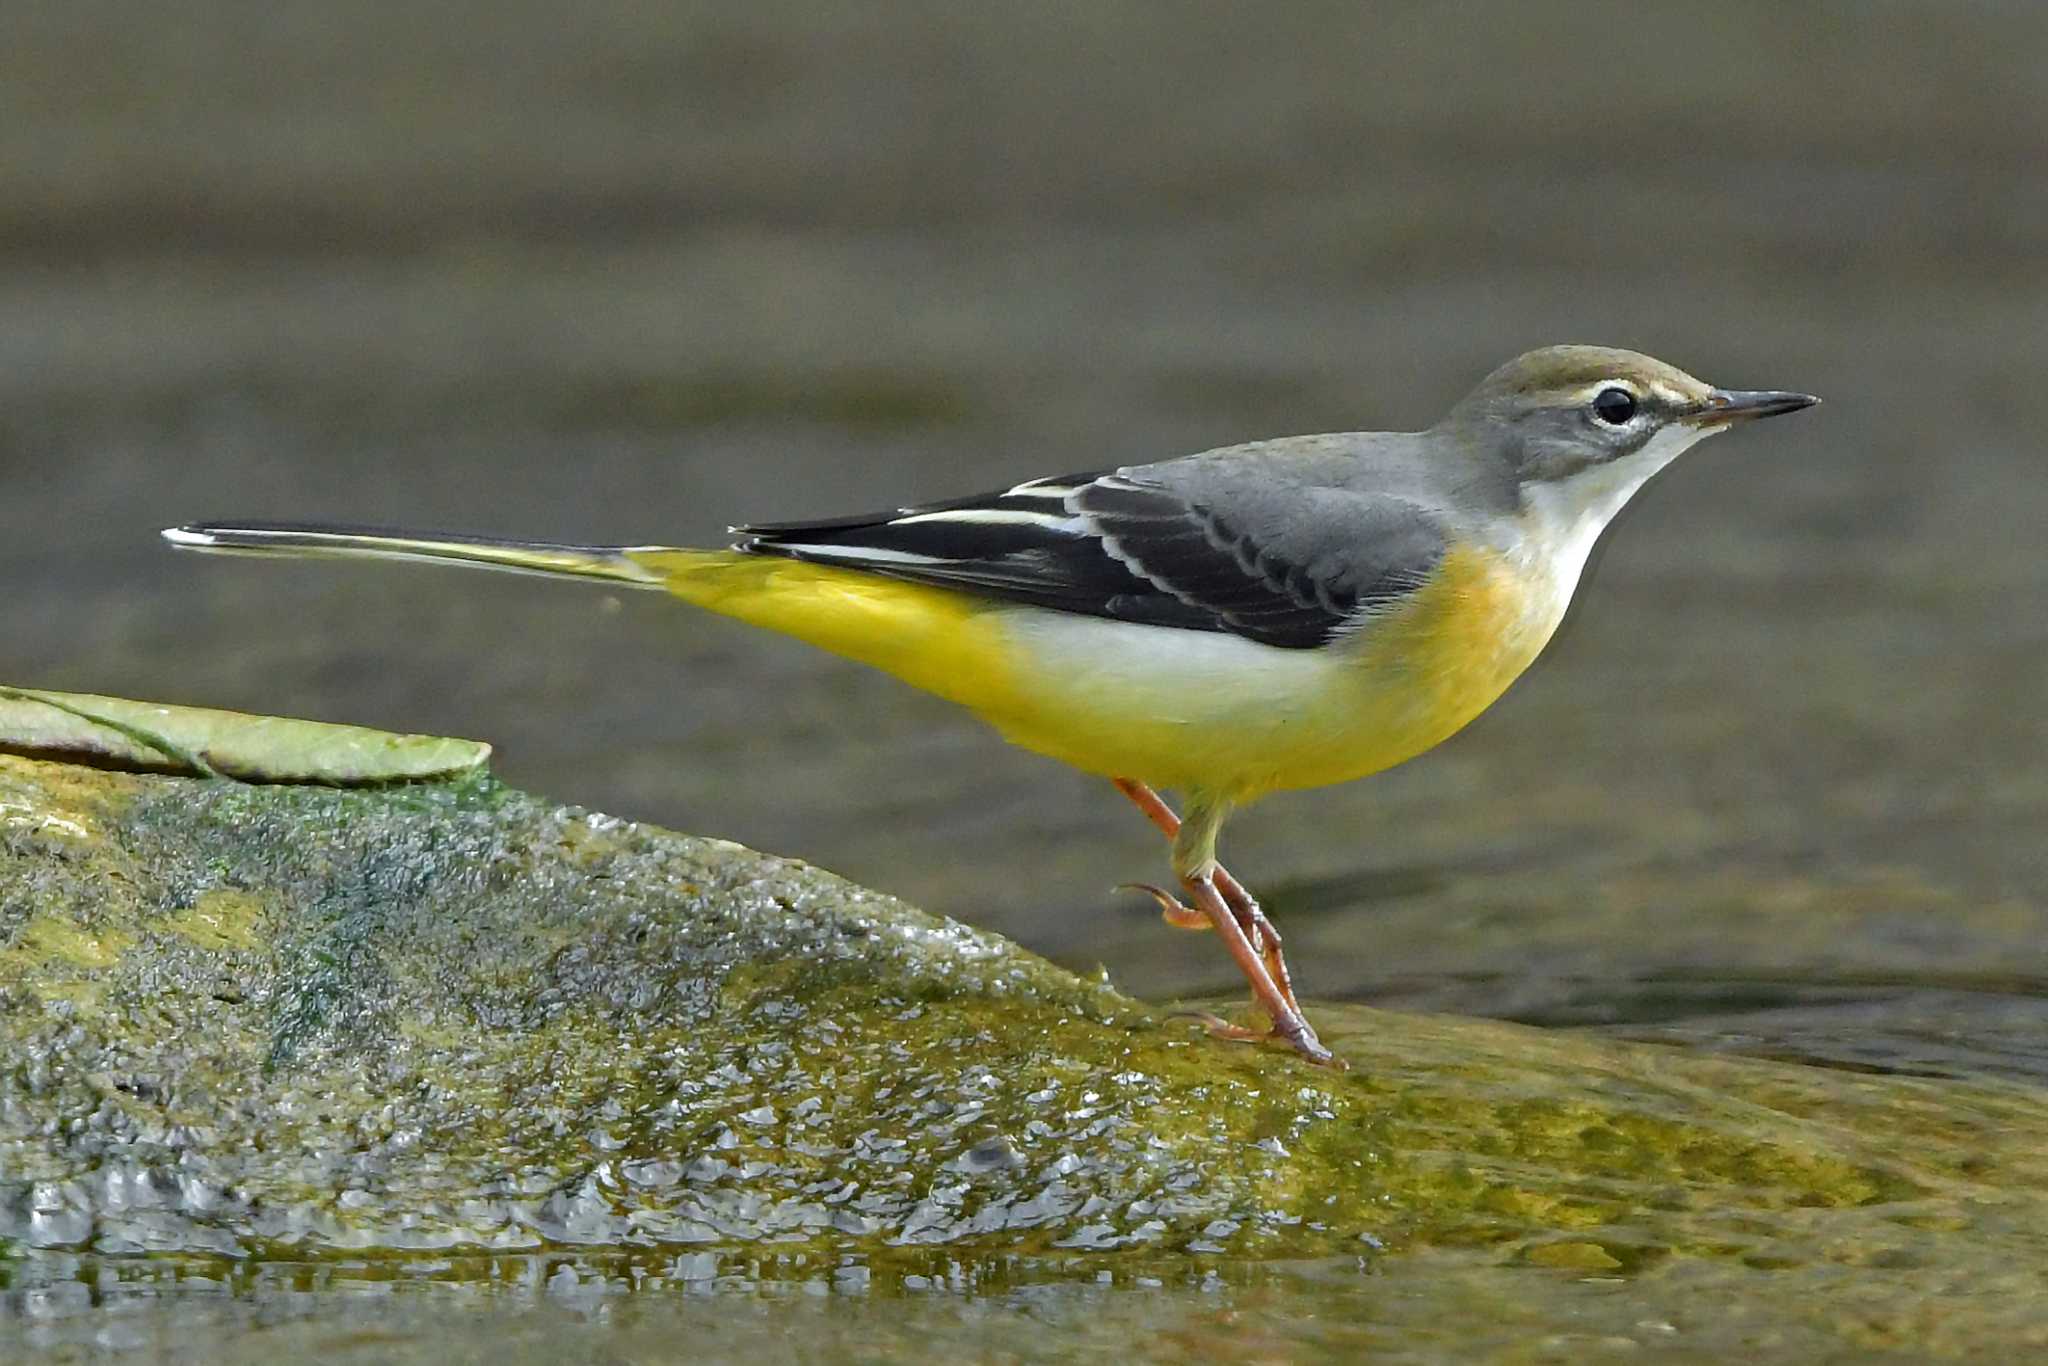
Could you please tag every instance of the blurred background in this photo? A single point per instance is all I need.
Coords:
(630, 272)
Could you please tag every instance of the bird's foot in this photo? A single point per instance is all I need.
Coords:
(1300, 1035)
(1256, 963)
(1172, 909)
(1216, 1027)
(1309, 1046)
(1264, 939)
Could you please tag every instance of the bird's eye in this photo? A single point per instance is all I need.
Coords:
(1614, 406)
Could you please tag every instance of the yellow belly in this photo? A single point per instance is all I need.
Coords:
(1219, 713)
(1185, 709)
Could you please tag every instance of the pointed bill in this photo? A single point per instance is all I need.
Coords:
(1725, 406)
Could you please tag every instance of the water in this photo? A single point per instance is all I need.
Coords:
(1599, 1202)
(1430, 1308)
(1778, 788)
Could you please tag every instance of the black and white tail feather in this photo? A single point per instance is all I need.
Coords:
(302, 540)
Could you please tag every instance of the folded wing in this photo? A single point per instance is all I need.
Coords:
(1189, 544)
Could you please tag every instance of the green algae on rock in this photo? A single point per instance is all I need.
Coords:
(243, 1018)
(247, 1021)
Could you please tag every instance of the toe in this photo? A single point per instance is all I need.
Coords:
(1171, 909)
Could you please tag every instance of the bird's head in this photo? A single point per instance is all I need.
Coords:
(1565, 416)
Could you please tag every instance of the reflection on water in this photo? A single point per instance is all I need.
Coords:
(1438, 1306)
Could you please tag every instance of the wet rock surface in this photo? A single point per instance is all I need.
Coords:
(241, 1018)
(450, 1038)
(276, 1020)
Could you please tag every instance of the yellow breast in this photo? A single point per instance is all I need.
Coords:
(1450, 651)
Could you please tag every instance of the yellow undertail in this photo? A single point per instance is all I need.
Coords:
(946, 643)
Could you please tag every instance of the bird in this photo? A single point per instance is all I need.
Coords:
(1283, 614)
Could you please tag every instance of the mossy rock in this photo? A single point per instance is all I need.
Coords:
(283, 1020)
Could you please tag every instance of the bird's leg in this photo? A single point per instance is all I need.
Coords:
(1288, 1021)
(1194, 863)
(1257, 928)
(1240, 900)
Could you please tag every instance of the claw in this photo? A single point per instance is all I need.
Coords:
(1219, 1028)
(1171, 909)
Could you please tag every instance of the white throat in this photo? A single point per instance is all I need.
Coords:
(1561, 521)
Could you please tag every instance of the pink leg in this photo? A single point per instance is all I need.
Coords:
(1288, 1021)
(1272, 986)
(1257, 927)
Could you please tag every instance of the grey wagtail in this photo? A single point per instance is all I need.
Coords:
(1276, 615)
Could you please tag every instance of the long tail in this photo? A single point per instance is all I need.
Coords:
(942, 641)
(610, 562)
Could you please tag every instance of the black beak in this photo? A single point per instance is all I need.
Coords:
(1725, 406)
